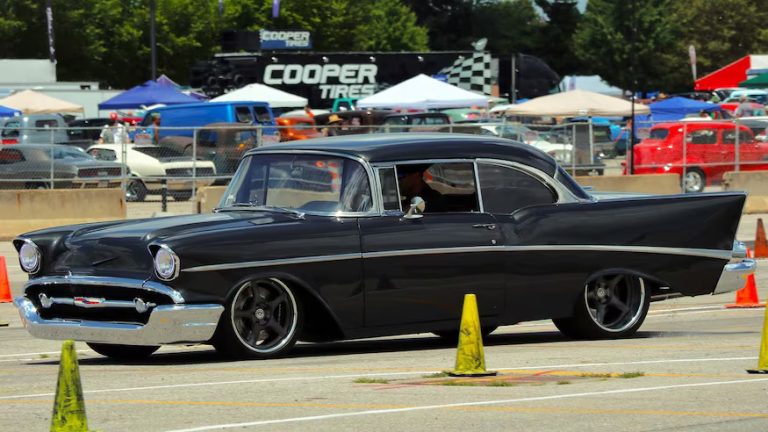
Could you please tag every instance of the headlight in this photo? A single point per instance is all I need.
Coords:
(29, 257)
(166, 263)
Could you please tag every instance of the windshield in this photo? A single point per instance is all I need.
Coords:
(70, 153)
(308, 183)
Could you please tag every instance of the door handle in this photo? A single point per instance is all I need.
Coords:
(488, 226)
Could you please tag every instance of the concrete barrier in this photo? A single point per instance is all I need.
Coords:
(755, 183)
(208, 198)
(659, 184)
(29, 210)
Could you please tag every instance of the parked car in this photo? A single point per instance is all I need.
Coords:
(180, 120)
(383, 234)
(222, 143)
(759, 96)
(416, 122)
(518, 132)
(38, 129)
(708, 154)
(43, 166)
(151, 164)
(750, 109)
(296, 127)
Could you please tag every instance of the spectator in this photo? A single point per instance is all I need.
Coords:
(334, 122)
(412, 184)
(114, 132)
(154, 129)
(308, 112)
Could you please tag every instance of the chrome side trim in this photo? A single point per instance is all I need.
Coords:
(167, 324)
(704, 253)
(274, 262)
(145, 285)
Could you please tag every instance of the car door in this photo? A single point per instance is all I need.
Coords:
(419, 269)
(704, 151)
(506, 189)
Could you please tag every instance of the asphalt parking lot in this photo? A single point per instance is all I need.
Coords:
(684, 371)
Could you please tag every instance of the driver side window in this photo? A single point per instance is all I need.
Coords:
(444, 186)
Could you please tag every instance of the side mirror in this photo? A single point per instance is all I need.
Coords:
(416, 208)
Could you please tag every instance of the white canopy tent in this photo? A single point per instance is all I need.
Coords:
(32, 102)
(262, 93)
(423, 92)
(575, 103)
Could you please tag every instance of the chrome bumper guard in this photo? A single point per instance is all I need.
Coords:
(167, 324)
(735, 273)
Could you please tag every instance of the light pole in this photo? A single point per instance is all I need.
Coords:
(152, 41)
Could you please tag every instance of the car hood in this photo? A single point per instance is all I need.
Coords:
(122, 248)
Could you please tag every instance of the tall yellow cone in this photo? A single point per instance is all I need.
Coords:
(470, 360)
(762, 361)
(69, 407)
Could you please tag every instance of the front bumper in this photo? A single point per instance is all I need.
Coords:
(167, 324)
(736, 272)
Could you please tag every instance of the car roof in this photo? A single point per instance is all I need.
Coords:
(693, 124)
(391, 147)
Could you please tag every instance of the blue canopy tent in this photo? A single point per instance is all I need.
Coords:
(8, 112)
(676, 108)
(149, 93)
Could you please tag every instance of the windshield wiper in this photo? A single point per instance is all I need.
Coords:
(255, 206)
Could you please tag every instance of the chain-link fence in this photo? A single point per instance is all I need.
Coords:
(169, 164)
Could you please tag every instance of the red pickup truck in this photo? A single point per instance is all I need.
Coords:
(709, 152)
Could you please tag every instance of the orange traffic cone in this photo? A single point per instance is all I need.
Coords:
(747, 296)
(761, 245)
(5, 286)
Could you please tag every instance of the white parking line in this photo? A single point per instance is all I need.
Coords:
(377, 374)
(464, 404)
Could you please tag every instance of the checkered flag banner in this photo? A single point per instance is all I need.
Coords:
(472, 73)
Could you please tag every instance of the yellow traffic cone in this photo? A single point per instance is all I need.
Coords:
(470, 360)
(762, 361)
(69, 407)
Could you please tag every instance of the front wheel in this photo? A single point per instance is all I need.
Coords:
(123, 352)
(135, 191)
(611, 306)
(694, 180)
(262, 320)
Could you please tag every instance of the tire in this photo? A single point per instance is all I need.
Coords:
(135, 191)
(181, 196)
(694, 180)
(261, 320)
(38, 186)
(453, 335)
(611, 306)
(123, 352)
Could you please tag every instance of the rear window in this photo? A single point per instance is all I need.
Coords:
(659, 134)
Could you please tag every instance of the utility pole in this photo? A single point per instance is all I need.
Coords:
(152, 38)
(631, 140)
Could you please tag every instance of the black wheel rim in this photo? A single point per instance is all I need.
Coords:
(132, 191)
(264, 315)
(615, 302)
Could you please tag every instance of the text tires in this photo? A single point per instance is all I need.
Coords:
(263, 319)
(611, 306)
(123, 352)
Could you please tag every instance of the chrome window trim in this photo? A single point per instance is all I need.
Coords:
(563, 194)
(478, 187)
(703, 253)
(376, 207)
(110, 281)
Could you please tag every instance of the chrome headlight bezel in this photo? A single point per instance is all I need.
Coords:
(32, 251)
(166, 263)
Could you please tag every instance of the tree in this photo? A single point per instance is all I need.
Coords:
(390, 26)
(630, 57)
(721, 30)
(556, 45)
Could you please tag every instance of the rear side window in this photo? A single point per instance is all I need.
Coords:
(243, 114)
(11, 129)
(262, 114)
(659, 134)
(506, 189)
(45, 124)
(729, 137)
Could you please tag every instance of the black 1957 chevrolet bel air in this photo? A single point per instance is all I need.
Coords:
(372, 235)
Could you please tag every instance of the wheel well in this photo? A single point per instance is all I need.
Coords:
(320, 324)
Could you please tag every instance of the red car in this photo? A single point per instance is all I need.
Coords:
(710, 152)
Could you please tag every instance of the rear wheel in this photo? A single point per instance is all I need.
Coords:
(262, 320)
(694, 180)
(135, 191)
(611, 306)
(123, 352)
